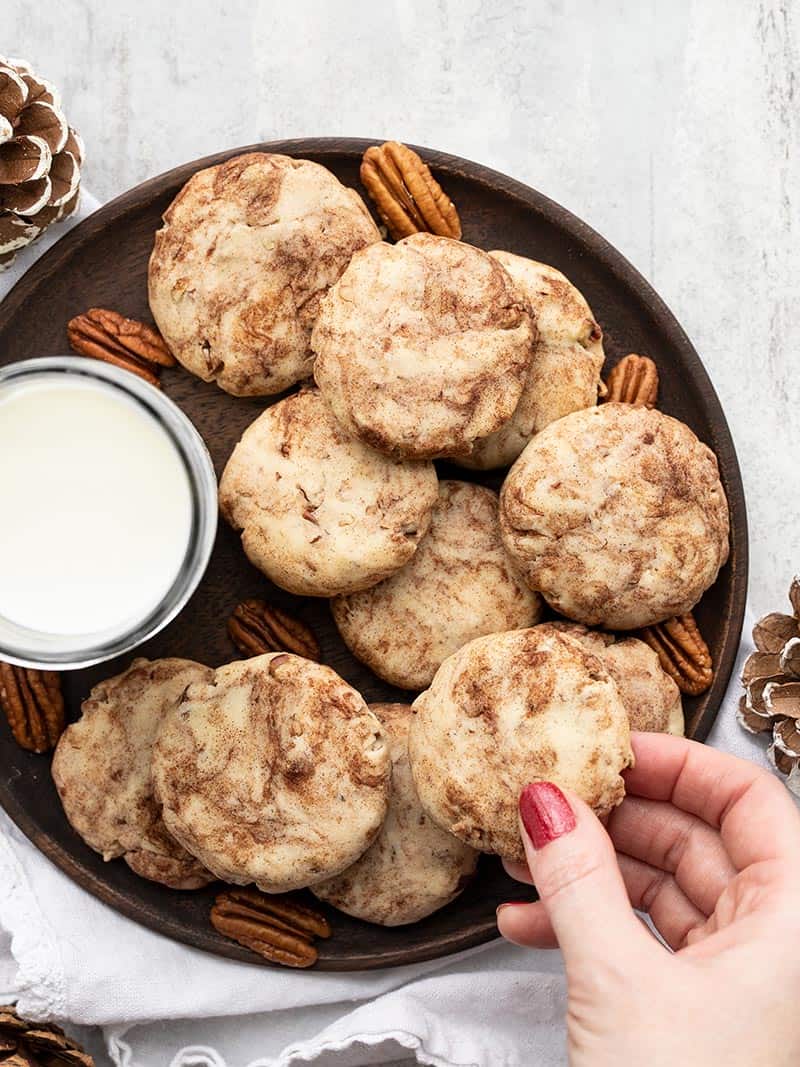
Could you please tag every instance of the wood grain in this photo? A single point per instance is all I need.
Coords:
(103, 262)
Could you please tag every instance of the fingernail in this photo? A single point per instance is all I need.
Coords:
(545, 813)
(510, 904)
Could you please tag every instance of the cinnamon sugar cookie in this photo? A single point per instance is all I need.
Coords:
(246, 252)
(322, 513)
(509, 709)
(459, 584)
(651, 698)
(617, 516)
(413, 868)
(564, 373)
(273, 771)
(101, 769)
(423, 346)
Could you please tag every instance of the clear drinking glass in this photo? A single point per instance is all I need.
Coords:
(32, 648)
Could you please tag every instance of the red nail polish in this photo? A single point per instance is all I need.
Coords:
(545, 813)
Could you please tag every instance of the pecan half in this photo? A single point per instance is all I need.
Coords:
(256, 627)
(682, 652)
(634, 380)
(279, 928)
(126, 343)
(406, 194)
(34, 706)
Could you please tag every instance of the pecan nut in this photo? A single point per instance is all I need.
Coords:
(256, 627)
(279, 928)
(126, 343)
(682, 652)
(34, 706)
(634, 380)
(406, 194)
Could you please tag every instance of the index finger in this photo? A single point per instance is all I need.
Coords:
(754, 813)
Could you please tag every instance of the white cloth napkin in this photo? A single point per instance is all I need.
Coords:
(67, 956)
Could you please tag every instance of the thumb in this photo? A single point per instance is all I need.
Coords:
(574, 868)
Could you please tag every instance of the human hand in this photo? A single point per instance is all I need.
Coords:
(709, 846)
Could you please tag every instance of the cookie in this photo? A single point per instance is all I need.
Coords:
(651, 698)
(320, 512)
(274, 771)
(413, 868)
(247, 250)
(101, 769)
(423, 346)
(509, 709)
(458, 585)
(617, 516)
(564, 374)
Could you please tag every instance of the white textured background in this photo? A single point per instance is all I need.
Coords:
(672, 128)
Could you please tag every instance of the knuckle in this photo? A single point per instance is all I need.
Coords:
(652, 890)
(565, 874)
(677, 848)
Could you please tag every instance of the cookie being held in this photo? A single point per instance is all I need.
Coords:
(564, 373)
(413, 867)
(101, 769)
(273, 771)
(509, 709)
(458, 585)
(247, 250)
(320, 512)
(617, 516)
(423, 347)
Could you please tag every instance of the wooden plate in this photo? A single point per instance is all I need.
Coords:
(103, 262)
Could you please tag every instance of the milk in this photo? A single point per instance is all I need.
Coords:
(95, 507)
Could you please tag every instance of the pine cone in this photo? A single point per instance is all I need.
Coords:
(40, 158)
(771, 679)
(27, 1044)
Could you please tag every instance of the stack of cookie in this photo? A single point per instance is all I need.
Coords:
(273, 770)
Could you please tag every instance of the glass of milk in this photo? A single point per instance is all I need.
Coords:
(108, 511)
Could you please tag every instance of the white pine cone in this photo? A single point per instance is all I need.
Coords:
(40, 158)
(771, 679)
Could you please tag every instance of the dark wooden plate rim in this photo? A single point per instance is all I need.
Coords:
(628, 277)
